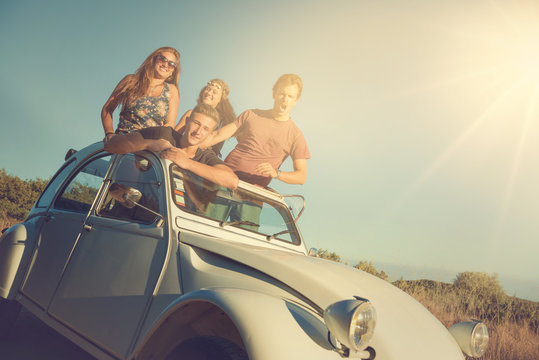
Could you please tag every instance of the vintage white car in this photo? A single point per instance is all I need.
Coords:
(131, 257)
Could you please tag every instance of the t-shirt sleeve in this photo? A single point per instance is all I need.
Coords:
(299, 149)
(240, 120)
(208, 157)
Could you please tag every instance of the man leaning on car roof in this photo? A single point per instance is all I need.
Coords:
(183, 149)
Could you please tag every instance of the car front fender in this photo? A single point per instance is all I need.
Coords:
(16, 245)
(269, 327)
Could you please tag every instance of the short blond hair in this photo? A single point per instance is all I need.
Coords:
(286, 80)
(207, 110)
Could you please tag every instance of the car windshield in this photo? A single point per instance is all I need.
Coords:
(239, 208)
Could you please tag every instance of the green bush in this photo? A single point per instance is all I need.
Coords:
(368, 267)
(325, 254)
(482, 294)
(18, 196)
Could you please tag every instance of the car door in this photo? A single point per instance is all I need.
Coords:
(62, 224)
(112, 275)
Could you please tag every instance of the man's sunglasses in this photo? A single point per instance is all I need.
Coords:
(170, 63)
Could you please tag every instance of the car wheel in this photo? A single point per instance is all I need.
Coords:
(9, 311)
(207, 348)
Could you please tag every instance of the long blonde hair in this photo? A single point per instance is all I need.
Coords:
(137, 85)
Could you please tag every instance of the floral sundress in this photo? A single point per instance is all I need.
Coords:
(145, 112)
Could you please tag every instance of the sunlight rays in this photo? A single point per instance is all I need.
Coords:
(531, 115)
(511, 40)
(472, 75)
(446, 154)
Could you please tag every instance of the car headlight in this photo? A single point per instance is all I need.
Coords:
(352, 322)
(472, 337)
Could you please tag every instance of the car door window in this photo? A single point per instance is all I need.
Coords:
(81, 191)
(139, 172)
(53, 185)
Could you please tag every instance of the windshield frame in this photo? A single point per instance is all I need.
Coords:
(268, 197)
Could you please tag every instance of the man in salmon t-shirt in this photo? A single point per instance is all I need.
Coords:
(267, 137)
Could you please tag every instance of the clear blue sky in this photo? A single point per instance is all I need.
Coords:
(421, 116)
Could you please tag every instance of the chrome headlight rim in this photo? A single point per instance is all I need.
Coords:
(472, 337)
(480, 339)
(364, 310)
(345, 318)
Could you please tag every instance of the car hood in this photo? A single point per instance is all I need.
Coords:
(403, 324)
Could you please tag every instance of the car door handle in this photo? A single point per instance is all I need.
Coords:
(87, 227)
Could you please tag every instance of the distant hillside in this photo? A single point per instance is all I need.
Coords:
(513, 323)
(475, 293)
(479, 295)
(524, 288)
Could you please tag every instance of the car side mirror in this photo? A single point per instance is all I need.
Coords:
(125, 195)
(129, 197)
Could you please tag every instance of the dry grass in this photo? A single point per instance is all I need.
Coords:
(509, 340)
(512, 341)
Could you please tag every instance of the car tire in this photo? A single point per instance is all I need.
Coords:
(9, 311)
(207, 348)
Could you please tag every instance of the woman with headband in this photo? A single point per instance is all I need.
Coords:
(215, 94)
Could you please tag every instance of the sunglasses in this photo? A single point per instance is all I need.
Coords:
(170, 63)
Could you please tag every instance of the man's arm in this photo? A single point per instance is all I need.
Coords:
(219, 135)
(220, 174)
(134, 142)
(298, 176)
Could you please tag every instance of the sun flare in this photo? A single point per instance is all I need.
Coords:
(503, 46)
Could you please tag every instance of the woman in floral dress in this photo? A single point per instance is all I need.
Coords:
(149, 97)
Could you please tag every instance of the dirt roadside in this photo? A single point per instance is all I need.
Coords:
(31, 339)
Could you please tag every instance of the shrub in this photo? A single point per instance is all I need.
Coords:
(17, 196)
(325, 254)
(369, 268)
